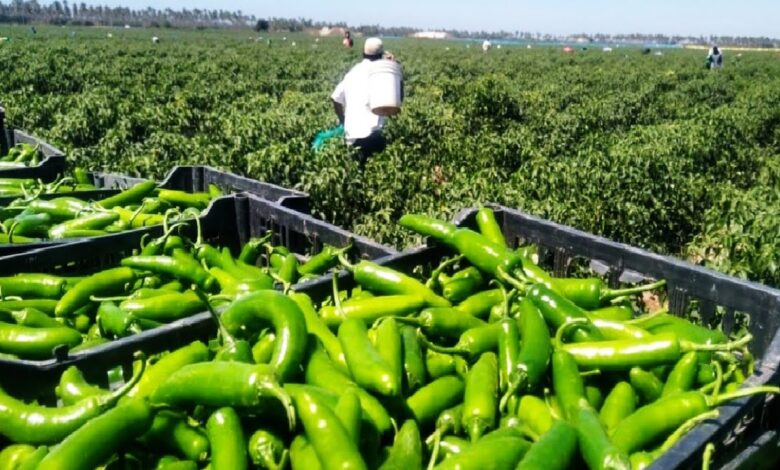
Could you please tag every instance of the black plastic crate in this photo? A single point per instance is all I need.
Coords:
(713, 295)
(761, 453)
(231, 222)
(49, 169)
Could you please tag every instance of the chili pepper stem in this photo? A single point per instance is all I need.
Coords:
(518, 284)
(345, 262)
(613, 293)
(223, 332)
(435, 452)
(721, 399)
(684, 428)
(118, 298)
(687, 346)
(334, 283)
(433, 279)
(433, 346)
(706, 459)
(514, 386)
(285, 285)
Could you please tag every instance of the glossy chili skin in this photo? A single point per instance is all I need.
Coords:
(462, 284)
(252, 310)
(592, 293)
(684, 329)
(73, 388)
(444, 321)
(112, 430)
(657, 350)
(326, 259)
(35, 342)
(158, 372)
(317, 327)
(407, 449)
(13, 455)
(131, 195)
(555, 450)
(558, 310)
(164, 308)
(415, 373)
(372, 308)
(439, 230)
(185, 199)
(34, 424)
(33, 318)
(384, 280)
(108, 282)
(61, 208)
(479, 304)
(180, 266)
(171, 432)
(488, 226)
(427, 403)
(33, 285)
(386, 338)
(503, 449)
(620, 402)
(331, 442)
(682, 377)
(267, 450)
(302, 454)
(646, 384)
(350, 414)
(46, 306)
(322, 372)
(366, 365)
(76, 227)
(480, 400)
(535, 415)
(228, 444)
(533, 358)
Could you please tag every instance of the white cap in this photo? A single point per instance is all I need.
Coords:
(373, 46)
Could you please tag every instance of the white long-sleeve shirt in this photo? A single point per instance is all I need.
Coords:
(353, 94)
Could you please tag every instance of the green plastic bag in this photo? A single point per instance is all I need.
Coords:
(324, 136)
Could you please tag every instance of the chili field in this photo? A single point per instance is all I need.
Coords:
(651, 150)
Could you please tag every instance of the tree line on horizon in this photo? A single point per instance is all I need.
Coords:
(83, 14)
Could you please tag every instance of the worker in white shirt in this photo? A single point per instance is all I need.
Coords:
(715, 58)
(362, 128)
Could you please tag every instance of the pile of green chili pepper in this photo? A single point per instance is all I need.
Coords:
(21, 155)
(166, 280)
(32, 219)
(487, 362)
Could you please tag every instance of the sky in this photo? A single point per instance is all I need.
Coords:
(682, 17)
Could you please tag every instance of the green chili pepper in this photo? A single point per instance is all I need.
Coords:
(13, 455)
(348, 411)
(706, 374)
(113, 320)
(331, 442)
(508, 348)
(656, 350)
(480, 400)
(168, 364)
(558, 310)
(593, 293)
(317, 327)
(263, 350)
(489, 257)
(267, 450)
(620, 402)
(35, 343)
(288, 271)
(172, 433)
(383, 280)
(444, 321)
(33, 285)
(61, 208)
(413, 360)
(486, 222)
(250, 311)
(685, 330)
(372, 308)
(406, 452)
(614, 330)
(479, 304)
(132, 195)
(164, 308)
(33, 424)
(534, 354)
(181, 266)
(251, 250)
(535, 416)
(500, 449)
(554, 450)
(34, 318)
(646, 384)
(387, 341)
(228, 445)
(83, 225)
(366, 365)
(28, 225)
(427, 226)
(595, 447)
(682, 376)
(462, 284)
(323, 261)
(612, 313)
(451, 445)
(73, 387)
(108, 282)
(220, 384)
(322, 372)
(112, 430)
(427, 403)
(184, 199)
(46, 306)
(302, 454)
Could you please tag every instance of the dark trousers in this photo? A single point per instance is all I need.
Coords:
(368, 146)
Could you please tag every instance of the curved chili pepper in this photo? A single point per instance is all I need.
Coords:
(472, 343)
(169, 363)
(220, 384)
(533, 357)
(558, 310)
(384, 280)
(407, 449)
(263, 349)
(164, 308)
(252, 249)
(228, 448)
(317, 327)
(33, 424)
(488, 227)
(184, 199)
(13, 455)
(554, 450)
(462, 284)
(34, 318)
(617, 313)
(61, 208)
(267, 450)
(331, 442)
(252, 310)
(508, 348)
(428, 226)
(593, 293)
(35, 342)
(480, 399)
(131, 195)
(443, 321)
(479, 304)
(682, 376)
(366, 365)
(322, 372)
(387, 341)
(501, 449)
(288, 271)
(73, 388)
(615, 330)
(370, 309)
(171, 432)
(427, 403)
(28, 225)
(108, 282)
(326, 259)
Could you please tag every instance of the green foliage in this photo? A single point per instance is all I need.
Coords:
(652, 151)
